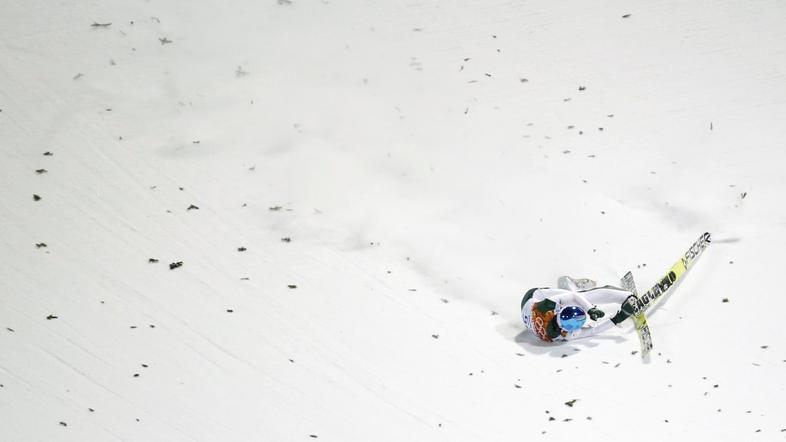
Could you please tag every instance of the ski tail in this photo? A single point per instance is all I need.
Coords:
(628, 283)
(639, 319)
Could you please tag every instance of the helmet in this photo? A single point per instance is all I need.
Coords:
(571, 318)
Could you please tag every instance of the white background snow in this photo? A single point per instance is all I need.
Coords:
(429, 161)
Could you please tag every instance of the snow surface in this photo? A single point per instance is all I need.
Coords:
(399, 173)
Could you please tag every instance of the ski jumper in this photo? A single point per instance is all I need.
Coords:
(541, 306)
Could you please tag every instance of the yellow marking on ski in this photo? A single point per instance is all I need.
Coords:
(678, 268)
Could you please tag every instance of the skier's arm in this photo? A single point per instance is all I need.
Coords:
(606, 295)
(601, 327)
(601, 295)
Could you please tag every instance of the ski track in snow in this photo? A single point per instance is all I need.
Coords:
(294, 220)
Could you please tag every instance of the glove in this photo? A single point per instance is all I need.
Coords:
(619, 317)
(595, 313)
(628, 308)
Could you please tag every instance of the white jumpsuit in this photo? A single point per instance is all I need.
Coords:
(537, 322)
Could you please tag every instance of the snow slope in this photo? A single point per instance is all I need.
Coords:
(360, 193)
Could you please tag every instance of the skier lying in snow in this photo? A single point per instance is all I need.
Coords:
(561, 313)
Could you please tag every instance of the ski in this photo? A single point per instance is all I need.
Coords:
(655, 294)
(639, 319)
(675, 273)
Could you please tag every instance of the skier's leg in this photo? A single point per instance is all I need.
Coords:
(582, 301)
(606, 295)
